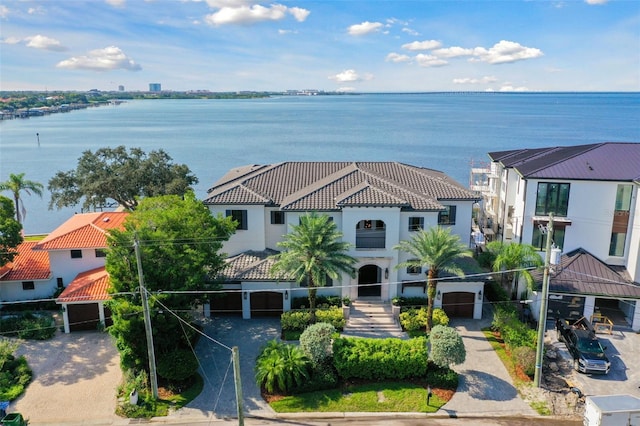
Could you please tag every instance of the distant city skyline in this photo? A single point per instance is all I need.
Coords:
(360, 46)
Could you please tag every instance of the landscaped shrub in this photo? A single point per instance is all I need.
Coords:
(514, 332)
(447, 347)
(281, 367)
(15, 373)
(503, 313)
(315, 342)
(28, 325)
(380, 359)
(300, 320)
(321, 377)
(321, 302)
(410, 302)
(441, 377)
(416, 319)
(178, 365)
(494, 292)
(525, 357)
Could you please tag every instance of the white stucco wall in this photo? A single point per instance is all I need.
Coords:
(253, 238)
(11, 291)
(63, 266)
(633, 240)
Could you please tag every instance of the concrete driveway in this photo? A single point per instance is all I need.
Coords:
(75, 377)
(622, 350)
(218, 398)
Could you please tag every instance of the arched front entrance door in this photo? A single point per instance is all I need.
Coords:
(368, 277)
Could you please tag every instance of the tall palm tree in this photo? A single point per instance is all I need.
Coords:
(514, 258)
(436, 249)
(313, 251)
(16, 184)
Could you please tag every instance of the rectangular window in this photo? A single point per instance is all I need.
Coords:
(623, 198)
(60, 282)
(414, 270)
(416, 223)
(101, 253)
(240, 216)
(28, 285)
(552, 198)
(616, 247)
(277, 217)
(539, 240)
(448, 216)
(76, 254)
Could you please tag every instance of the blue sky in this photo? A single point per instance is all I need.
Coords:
(364, 46)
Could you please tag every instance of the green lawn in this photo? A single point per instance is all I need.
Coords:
(372, 397)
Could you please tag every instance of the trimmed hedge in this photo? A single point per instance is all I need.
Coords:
(300, 320)
(321, 302)
(416, 319)
(380, 359)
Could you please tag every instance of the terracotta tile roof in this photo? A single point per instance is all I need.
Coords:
(250, 266)
(580, 272)
(86, 287)
(87, 230)
(304, 186)
(617, 161)
(28, 265)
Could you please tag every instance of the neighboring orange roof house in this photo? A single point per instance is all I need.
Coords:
(88, 286)
(28, 265)
(87, 230)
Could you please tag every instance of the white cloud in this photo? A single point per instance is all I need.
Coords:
(4, 11)
(11, 40)
(505, 52)
(509, 88)
(410, 31)
(116, 3)
(36, 11)
(285, 32)
(429, 60)
(107, 59)
(597, 2)
(422, 45)
(469, 80)
(397, 57)
(364, 28)
(452, 52)
(350, 76)
(346, 89)
(234, 13)
(43, 42)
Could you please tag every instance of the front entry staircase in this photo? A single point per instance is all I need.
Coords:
(372, 318)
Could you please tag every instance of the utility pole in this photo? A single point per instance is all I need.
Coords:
(147, 322)
(236, 376)
(542, 320)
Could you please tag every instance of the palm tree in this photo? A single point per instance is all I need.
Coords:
(313, 251)
(437, 249)
(16, 184)
(514, 258)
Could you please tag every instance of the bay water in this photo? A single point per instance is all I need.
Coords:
(443, 131)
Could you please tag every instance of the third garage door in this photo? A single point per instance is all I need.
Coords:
(266, 303)
(458, 304)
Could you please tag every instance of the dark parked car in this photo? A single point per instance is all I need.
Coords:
(585, 348)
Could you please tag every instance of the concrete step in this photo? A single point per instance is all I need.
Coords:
(372, 318)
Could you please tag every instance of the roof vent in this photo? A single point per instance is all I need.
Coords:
(106, 219)
(589, 166)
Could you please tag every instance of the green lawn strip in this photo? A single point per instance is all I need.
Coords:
(540, 406)
(372, 397)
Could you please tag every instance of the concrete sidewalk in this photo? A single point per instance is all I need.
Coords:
(485, 387)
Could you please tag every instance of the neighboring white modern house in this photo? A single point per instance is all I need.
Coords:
(592, 191)
(374, 204)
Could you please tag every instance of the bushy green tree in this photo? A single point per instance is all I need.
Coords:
(313, 251)
(315, 342)
(10, 231)
(179, 242)
(447, 347)
(121, 176)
